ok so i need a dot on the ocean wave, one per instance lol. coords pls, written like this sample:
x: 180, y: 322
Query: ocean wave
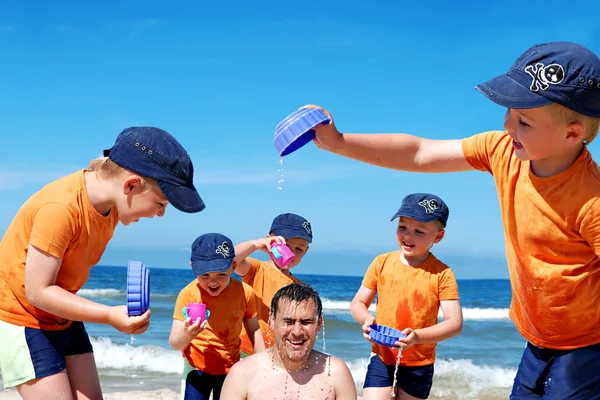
x: 457, y: 379
x: 473, y: 314
x: 101, y: 292
x: 131, y: 358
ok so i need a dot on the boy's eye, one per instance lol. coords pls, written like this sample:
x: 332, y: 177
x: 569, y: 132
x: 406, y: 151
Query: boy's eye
x: 419, y: 232
x: 523, y: 123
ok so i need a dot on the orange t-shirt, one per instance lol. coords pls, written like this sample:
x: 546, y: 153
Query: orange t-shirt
x: 59, y: 220
x: 265, y: 280
x: 552, y: 232
x: 409, y: 297
x: 217, y: 347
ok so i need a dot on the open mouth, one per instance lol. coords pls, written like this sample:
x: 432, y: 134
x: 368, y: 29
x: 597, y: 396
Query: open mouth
x: 407, y: 245
x: 296, y: 344
x: 517, y: 145
x: 213, y: 290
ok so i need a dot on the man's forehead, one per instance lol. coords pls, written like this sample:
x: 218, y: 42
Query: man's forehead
x: 295, y: 309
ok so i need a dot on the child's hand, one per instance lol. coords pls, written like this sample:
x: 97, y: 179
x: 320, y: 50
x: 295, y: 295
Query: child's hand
x: 264, y: 244
x: 121, y: 321
x: 327, y: 136
x: 366, y: 327
x: 409, y: 341
x: 193, y: 330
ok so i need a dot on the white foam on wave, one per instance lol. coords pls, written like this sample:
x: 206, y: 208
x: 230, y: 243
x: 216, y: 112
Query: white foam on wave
x: 100, y: 292
x: 474, y: 314
x: 133, y: 358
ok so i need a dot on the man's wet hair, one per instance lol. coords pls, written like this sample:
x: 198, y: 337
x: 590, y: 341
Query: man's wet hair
x: 297, y: 293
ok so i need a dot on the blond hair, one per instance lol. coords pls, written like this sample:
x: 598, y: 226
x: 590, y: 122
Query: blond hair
x: 564, y: 115
x: 106, y: 168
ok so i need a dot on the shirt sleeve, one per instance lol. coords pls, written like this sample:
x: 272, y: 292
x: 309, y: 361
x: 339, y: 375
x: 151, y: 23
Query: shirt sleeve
x: 53, y: 229
x: 448, y: 288
x: 254, y: 266
x: 250, y: 302
x: 485, y: 150
x: 590, y: 226
x: 372, y: 275
x: 182, y: 301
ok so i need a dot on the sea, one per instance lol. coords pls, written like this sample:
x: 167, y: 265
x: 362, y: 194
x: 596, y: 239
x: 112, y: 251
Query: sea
x: 480, y: 363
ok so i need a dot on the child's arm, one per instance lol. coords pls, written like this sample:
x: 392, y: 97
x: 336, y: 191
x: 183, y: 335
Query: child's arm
x: 449, y: 327
x: 41, y: 270
x: 397, y: 151
x: 244, y: 249
x: 254, y: 334
x: 182, y: 333
x: 359, y: 308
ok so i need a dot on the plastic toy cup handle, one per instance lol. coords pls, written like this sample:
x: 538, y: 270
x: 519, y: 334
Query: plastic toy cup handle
x: 196, y: 311
x: 281, y: 254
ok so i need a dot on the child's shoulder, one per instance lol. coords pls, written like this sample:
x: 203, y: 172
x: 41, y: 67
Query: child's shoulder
x: 436, y: 264
x: 390, y: 256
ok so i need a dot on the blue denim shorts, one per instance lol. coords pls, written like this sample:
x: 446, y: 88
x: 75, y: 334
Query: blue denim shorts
x: 415, y: 381
x: 558, y: 374
x: 28, y: 353
x: 199, y: 385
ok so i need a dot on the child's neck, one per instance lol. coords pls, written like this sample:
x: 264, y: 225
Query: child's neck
x: 98, y: 193
x: 557, y: 163
x: 413, y: 261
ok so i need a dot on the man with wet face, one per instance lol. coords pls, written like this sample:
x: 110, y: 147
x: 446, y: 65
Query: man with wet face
x: 291, y: 368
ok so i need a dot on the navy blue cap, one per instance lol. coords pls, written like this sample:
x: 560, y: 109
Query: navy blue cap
x: 212, y: 252
x: 291, y: 226
x: 154, y: 153
x: 559, y: 72
x: 423, y: 207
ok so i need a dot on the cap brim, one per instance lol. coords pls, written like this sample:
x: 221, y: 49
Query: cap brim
x: 202, y: 267
x: 183, y: 198
x: 507, y: 92
x: 412, y: 216
x: 292, y: 233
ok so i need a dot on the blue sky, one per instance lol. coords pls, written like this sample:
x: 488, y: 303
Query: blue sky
x: 220, y: 75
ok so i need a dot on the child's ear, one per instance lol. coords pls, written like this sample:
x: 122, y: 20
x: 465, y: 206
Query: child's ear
x: 575, y: 132
x: 132, y: 184
x: 439, y: 236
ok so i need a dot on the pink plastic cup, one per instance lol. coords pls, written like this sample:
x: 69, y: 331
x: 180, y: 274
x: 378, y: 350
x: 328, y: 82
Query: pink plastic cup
x: 281, y: 254
x: 196, y: 311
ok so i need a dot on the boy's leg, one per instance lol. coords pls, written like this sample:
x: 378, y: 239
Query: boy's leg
x: 83, y: 375
x: 81, y: 365
x: 55, y: 386
x: 378, y: 381
x: 574, y: 375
